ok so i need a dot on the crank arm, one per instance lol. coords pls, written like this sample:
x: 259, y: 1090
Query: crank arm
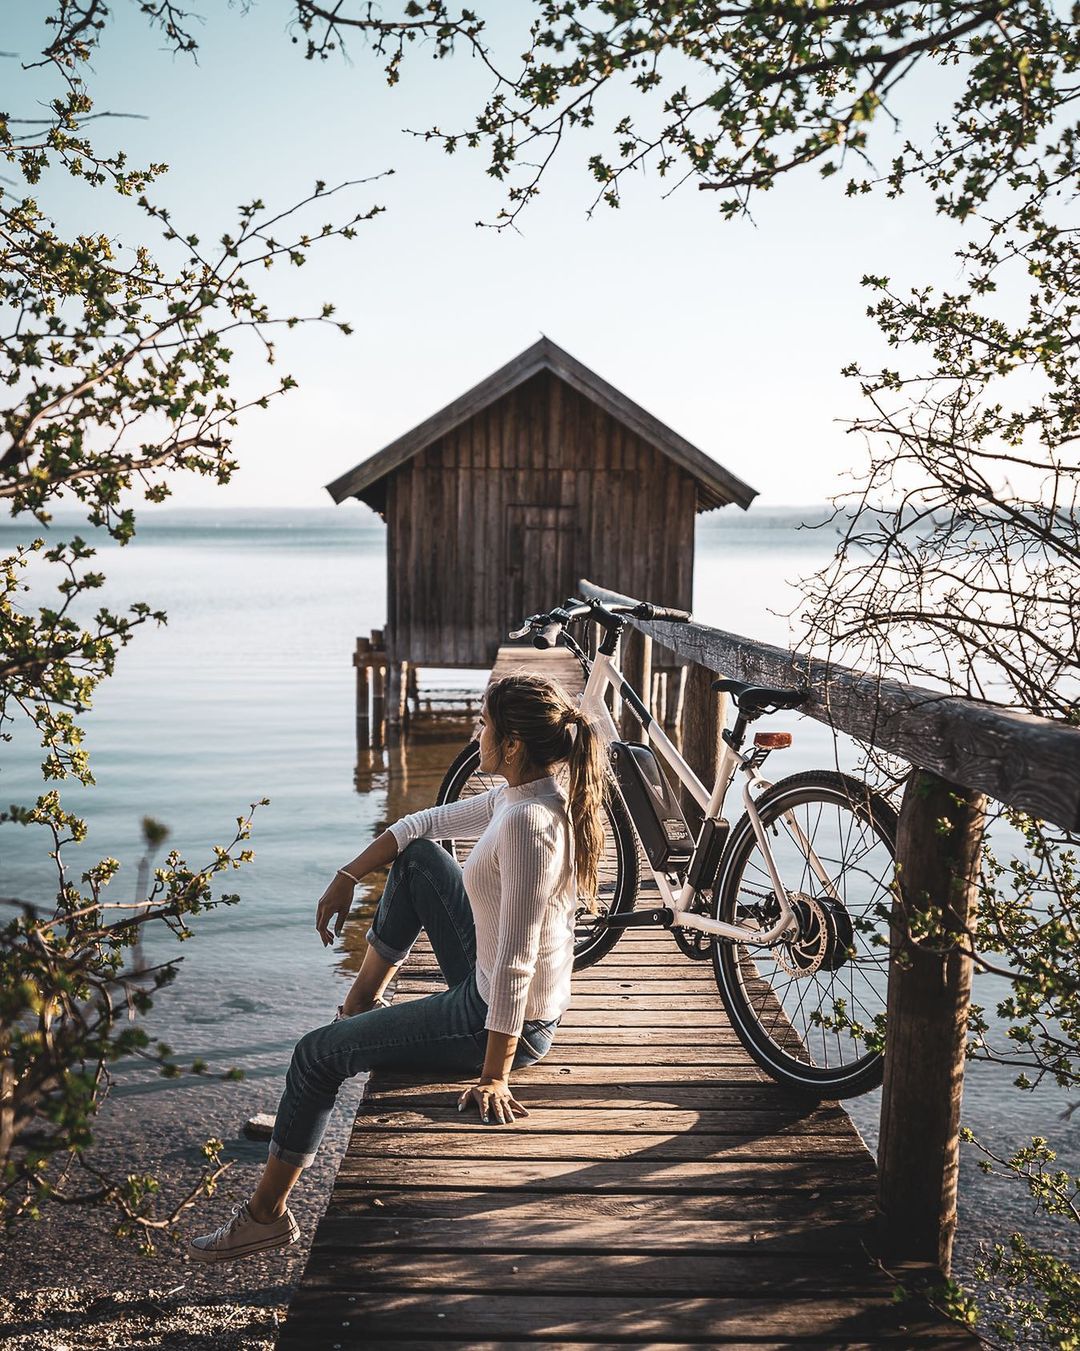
x: 661, y: 917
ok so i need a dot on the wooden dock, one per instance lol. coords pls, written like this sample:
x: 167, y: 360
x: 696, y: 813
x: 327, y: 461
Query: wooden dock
x: 663, y: 1192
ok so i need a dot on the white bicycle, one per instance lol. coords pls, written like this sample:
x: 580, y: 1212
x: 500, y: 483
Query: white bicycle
x: 792, y: 906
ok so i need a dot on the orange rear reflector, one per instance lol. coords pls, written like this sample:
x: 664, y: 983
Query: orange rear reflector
x: 772, y: 741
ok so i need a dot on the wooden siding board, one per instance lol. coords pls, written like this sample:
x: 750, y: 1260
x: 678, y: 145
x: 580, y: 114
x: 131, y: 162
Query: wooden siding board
x: 471, y: 577
x: 395, y: 543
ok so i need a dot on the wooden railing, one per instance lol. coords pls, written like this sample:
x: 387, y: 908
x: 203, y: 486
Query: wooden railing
x: 961, y: 752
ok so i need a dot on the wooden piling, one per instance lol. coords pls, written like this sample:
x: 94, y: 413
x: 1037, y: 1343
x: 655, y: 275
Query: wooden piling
x: 938, y: 849
x: 378, y: 688
x: 637, y: 668
x: 658, y: 703
x: 700, y: 736
x: 677, y: 714
x: 362, y: 662
x: 394, y: 691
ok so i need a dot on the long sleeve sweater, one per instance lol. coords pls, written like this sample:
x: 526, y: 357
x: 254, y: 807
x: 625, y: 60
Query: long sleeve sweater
x: 520, y: 882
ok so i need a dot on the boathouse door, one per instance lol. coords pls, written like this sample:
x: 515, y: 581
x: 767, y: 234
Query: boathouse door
x: 540, y: 558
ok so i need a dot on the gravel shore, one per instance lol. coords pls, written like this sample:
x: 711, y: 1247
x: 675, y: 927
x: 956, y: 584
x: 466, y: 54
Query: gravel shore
x: 66, y: 1283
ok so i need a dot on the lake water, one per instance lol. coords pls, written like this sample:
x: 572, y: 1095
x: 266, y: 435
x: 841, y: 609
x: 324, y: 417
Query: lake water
x: 249, y: 692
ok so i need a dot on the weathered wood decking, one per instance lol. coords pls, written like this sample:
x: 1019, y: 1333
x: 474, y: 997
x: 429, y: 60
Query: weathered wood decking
x: 663, y: 1192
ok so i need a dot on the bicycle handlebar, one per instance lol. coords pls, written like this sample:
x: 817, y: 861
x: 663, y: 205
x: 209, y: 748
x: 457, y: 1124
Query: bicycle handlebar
x: 646, y: 610
x: 545, y: 628
x: 548, y: 636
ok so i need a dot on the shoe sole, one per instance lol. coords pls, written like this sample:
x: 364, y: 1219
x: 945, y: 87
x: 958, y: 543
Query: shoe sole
x: 248, y: 1250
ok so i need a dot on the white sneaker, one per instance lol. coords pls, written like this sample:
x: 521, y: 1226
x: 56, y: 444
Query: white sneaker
x: 242, y: 1235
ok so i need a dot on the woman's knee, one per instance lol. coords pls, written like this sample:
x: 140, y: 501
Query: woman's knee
x: 311, y: 1048
x: 421, y: 851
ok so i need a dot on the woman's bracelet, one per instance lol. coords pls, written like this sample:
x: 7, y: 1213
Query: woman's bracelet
x: 354, y: 880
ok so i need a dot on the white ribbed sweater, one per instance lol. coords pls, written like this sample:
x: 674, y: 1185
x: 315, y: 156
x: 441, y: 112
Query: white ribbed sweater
x: 520, y: 883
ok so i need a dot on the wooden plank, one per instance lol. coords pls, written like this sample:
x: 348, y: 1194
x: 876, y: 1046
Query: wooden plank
x: 568, y: 1093
x: 550, y: 1074
x: 443, y: 1344
x: 626, y: 1175
x: 611, y: 1121
x: 546, y: 1317
x: 1023, y: 761
x: 587, y: 985
x: 747, y: 1238
x: 658, y: 1208
x: 632, y: 1274
x: 518, y: 1143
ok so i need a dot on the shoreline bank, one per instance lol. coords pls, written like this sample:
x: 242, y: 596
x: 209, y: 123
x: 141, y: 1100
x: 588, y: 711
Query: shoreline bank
x: 122, y: 1298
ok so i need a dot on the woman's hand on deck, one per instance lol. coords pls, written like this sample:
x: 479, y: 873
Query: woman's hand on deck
x: 495, y: 1101
x: 337, y: 901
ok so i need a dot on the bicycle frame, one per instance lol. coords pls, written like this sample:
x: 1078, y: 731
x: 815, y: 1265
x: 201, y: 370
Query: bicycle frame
x: 603, y: 673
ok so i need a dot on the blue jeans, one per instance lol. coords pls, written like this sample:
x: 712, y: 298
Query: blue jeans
x: 443, y: 1031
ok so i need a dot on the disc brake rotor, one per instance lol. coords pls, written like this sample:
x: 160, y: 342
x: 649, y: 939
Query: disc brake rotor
x: 803, y: 954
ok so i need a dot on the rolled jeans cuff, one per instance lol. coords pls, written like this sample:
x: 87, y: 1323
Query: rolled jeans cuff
x: 290, y: 1156
x: 385, y: 951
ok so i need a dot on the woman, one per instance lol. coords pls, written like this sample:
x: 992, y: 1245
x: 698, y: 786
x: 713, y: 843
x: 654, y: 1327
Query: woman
x: 502, y: 929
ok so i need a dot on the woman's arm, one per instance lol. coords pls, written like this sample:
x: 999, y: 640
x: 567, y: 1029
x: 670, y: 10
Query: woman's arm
x: 336, y: 900
x: 492, y: 1093
x: 468, y: 816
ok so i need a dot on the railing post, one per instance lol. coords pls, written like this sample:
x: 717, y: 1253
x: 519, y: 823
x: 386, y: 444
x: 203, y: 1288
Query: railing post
x: 937, y: 858
x: 700, y: 735
x: 637, y: 668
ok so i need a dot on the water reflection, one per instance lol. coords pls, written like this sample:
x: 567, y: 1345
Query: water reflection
x: 408, y: 772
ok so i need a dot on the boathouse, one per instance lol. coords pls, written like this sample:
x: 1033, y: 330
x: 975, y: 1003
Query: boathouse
x: 498, y: 503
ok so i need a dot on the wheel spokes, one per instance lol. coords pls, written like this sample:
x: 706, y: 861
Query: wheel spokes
x: 830, y: 1017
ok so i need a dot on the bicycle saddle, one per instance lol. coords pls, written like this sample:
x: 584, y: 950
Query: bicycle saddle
x: 757, y: 698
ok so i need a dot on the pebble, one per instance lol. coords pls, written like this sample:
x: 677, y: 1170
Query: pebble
x: 259, y: 1127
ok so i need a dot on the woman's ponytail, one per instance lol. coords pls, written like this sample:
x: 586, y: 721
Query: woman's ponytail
x: 586, y: 797
x: 553, y: 729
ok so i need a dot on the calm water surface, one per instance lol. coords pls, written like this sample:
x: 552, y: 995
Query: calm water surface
x: 249, y: 692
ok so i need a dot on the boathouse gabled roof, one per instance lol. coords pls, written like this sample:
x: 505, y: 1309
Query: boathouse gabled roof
x: 716, y: 485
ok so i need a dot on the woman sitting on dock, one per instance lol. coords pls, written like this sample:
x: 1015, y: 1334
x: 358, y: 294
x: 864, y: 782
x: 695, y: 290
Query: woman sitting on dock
x: 502, y: 929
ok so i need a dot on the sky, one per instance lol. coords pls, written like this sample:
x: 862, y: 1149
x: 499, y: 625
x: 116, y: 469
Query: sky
x: 733, y: 333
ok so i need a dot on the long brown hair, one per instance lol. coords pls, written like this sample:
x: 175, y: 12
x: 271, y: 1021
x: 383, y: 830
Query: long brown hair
x: 548, y: 722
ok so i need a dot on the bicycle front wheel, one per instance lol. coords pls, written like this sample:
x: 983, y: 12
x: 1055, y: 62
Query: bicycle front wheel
x: 618, y: 868
x: 811, y: 1009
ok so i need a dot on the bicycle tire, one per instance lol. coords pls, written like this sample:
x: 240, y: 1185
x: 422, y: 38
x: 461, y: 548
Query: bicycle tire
x: 771, y: 1020
x: 618, y: 868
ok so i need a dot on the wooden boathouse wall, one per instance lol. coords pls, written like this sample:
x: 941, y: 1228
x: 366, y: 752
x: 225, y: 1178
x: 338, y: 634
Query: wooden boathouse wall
x: 500, y: 517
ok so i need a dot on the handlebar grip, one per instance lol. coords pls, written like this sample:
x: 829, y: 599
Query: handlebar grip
x: 646, y: 610
x: 548, y: 636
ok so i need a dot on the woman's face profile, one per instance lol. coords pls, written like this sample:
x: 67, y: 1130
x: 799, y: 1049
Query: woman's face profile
x: 489, y: 752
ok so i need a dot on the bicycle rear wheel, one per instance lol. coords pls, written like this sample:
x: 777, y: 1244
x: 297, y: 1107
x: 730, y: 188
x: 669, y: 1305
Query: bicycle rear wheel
x: 618, y: 869
x: 811, y: 1011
